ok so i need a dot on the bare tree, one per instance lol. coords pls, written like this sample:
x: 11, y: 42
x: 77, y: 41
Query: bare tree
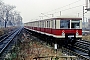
x: 15, y: 18
x: 7, y: 11
x: 8, y: 15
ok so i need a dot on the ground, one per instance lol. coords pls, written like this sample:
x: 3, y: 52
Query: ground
x: 6, y: 30
x: 30, y: 49
x: 87, y: 37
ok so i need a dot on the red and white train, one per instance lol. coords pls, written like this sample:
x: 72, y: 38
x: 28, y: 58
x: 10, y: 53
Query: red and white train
x: 59, y: 28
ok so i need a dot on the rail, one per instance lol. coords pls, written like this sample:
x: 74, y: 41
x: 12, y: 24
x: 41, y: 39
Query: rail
x: 5, y: 41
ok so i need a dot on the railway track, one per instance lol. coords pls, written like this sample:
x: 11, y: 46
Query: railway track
x: 6, y: 40
x: 75, y: 52
x: 81, y: 49
x: 83, y: 46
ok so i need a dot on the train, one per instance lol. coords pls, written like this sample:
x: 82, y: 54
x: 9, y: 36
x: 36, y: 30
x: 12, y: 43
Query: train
x: 58, y: 30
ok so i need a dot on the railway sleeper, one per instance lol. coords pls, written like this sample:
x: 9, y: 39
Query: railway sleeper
x: 76, y: 54
x: 82, y: 46
x: 77, y: 43
x: 80, y: 49
x: 83, y: 42
x: 83, y: 50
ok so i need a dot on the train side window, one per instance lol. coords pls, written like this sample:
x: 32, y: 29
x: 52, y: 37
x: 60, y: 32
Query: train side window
x: 39, y: 23
x: 55, y: 24
x: 42, y: 24
x: 47, y: 24
x: 52, y: 23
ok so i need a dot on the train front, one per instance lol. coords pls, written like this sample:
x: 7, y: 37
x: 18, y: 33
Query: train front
x: 71, y: 29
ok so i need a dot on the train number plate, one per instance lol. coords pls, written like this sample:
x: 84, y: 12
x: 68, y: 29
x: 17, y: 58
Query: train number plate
x: 71, y: 36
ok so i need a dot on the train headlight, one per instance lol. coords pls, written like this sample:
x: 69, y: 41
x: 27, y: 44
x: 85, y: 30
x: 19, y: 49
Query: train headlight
x: 77, y: 33
x: 63, y: 34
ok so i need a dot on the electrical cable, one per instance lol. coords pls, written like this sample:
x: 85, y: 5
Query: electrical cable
x: 69, y: 8
x: 63, y: 6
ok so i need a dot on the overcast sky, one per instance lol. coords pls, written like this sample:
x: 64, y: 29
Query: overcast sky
x: 30, y: 10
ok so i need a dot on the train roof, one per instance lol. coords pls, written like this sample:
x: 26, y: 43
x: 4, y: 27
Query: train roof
x: 66, y: 18
x: 60, y: 18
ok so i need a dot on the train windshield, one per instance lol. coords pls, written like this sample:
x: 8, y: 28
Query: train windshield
x: 65, y: 24
x: 75, y: 24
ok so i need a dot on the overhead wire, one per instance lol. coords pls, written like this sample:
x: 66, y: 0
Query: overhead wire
x: 46, y: 13
x: 69, y: 8
x: 64, y: 10
x: 63, y: 6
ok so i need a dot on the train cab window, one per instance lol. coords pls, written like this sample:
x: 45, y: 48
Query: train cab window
x: 64, y: 23
x: 75, y: 24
